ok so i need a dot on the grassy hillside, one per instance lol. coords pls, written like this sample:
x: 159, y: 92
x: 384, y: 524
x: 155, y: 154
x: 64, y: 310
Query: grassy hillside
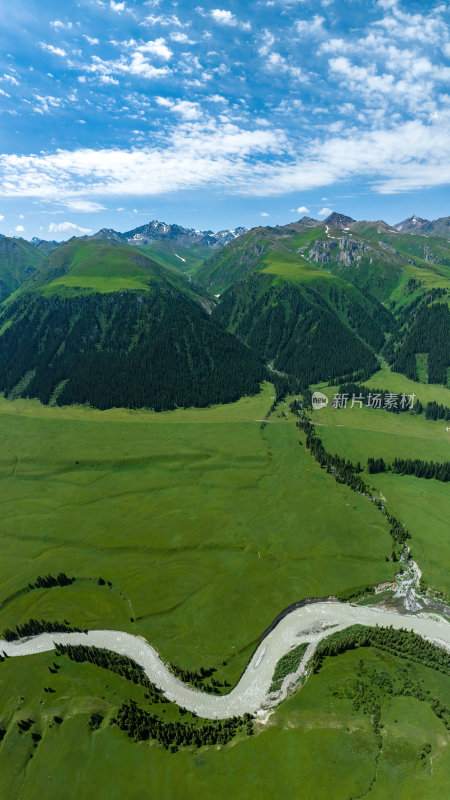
x: 247, y: 254
x: 360, y: 272
x: 369, y: 255
x: 302, y: 320
x: 156, y: 349
x: 423, y: 505
x: 320, y: 743
x: 190, y: 515
x: 18, y: 260
x: 305, y: 328
x: 101, y: 324
x: 394, y: 267
x: 172, y: 255
x: 426, y: 393
x: 81, y: 266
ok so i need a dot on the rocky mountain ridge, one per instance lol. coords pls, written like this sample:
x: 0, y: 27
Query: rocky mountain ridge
x: 425, y: 227
x: 156, y: 231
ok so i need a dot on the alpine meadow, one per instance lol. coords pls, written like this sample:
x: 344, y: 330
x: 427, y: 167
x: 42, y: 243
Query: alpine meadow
x: 224, y: 400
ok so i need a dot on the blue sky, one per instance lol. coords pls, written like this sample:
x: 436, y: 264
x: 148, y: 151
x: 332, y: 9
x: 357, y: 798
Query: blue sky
x: 117, y: 112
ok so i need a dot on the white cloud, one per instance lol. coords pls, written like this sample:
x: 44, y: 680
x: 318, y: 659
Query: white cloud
x: 137, y: 64
x: 118, y: 7
x: 67, y: 227
x: 46, y: 104
x: 108, y: 79
x: 164, y: 21
x: 261, y: 162
x: 58, y: 25
x: 274, y: 61
x: 91, y: 39
x: 180, y: 38
x: 409, y: 83
x: 405, y: 156
x: 278, y: 63
x: 187, y: 109
x: 310, y: 27
x: 224, y: 17
x: 156, y: 48
x: 20, y: 228
x: 268, y: 41
x: 192, y: 156
x: 395, y: 66
x: 57, y: 51
x: 11, y: 79
x: 303, y: 210
x: 264, y: 214
x: 84, y: 206
x: 165, y: 102
x: 5, y: 94
x: 1, y: 217
x: 324, y: 212
x: 426, y: 28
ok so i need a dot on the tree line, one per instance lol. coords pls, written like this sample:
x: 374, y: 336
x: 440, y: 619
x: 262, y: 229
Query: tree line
x: 36, y: 626
x: 427, y: 331
x: 386, y: 400
x: 142, y: 725
x: 299, y: 331
x: 399, y: 642
x: 344, y: 471
x: 287, y: 665
x: 158, y: 349
x: 121, y: 665
x: 197, y: 679
x: 412, y: 466
x: 369, y: 688
x: 435, y: 410
x: 49, y: 581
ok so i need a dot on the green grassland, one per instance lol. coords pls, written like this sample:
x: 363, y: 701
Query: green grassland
x: 81, y: 266
x: 248, y: 253
x: 387, y: 264
x: 18, y: 259
x: 316, y: 745
x: 422, y: 505
x: 395, y: 267
x: 176, y: 256
x: 206, y: 531
x: 385, y: 378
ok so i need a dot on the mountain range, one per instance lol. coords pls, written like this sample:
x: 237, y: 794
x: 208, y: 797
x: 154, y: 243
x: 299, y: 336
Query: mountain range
x: 163, y: 316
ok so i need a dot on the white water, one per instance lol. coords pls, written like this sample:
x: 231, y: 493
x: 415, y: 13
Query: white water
x: 307, y: 624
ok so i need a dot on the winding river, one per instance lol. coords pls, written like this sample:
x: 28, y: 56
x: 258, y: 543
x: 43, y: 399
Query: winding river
x: 311, y: 623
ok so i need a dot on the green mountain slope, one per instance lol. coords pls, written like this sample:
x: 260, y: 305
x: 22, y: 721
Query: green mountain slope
x: 83, y: 266
x: 421, y: 348
x: 303, y: 320
x: 293, y: 328
x: 104, y: 325
x: 412, y: 257
x: 244, y: 255
x: 371, y: 255
x: 186, y: 259
x: 18, y: 260
x: 369, y: 276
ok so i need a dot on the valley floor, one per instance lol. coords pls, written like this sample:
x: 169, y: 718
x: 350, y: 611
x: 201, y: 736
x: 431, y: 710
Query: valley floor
x: 201, y: 525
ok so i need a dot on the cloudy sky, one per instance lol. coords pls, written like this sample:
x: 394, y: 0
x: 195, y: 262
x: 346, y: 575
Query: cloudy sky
x: 242, y: 113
